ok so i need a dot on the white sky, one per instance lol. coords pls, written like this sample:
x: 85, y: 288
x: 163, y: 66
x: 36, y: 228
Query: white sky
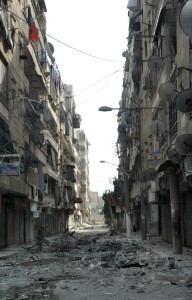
x: 99, y: 28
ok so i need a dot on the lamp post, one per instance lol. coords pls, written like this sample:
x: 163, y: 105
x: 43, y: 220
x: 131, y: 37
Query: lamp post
x: 127, y: 200
x: 106, y: 162
x: 108, y: 108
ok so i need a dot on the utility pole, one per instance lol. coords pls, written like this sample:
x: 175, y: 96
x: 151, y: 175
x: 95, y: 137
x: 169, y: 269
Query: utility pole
x: 175, y: 211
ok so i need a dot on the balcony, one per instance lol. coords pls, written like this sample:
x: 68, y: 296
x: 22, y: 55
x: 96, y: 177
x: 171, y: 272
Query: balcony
x: 76, y: 121
x: 48, y: 137
x: 53, y: 94
x: 48, y: 171
x: 13, y: 185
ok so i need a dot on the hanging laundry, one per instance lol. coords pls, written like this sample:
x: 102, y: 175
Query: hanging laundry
x: 29, y: 16
x: 33, y: 32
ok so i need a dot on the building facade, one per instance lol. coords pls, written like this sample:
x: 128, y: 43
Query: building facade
x: 38, y: 121
x: 154, y: 141
x: 83, y: 151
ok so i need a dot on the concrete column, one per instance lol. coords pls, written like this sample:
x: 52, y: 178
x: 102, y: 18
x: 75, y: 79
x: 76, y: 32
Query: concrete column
x: 127, y: 205
x: 16, y: 221
x: 175, y: 212
x: 143, y: 218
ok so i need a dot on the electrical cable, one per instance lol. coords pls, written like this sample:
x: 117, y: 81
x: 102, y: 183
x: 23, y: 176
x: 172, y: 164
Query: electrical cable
x: 80, y: 51
x: 61, y: 42
x: 91, y: 97
x: 111, y: 74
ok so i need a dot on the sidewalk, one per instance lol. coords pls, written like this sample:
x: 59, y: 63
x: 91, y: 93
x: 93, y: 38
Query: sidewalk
x: 165, y: 250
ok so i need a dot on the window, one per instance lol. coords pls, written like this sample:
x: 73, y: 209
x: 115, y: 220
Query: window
x: 6, y: 145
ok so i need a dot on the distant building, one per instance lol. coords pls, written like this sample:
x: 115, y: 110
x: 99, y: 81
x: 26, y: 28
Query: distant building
x: 82, y: 146
x: 96, y: 204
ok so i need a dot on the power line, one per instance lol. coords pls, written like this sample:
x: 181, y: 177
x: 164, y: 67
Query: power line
x: 97, y: 57
x: 93, y: 96
x: 61, y: 42
x: 111, y: 74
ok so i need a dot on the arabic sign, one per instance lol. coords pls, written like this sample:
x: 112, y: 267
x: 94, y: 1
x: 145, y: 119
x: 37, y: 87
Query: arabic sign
x: 155, y: 163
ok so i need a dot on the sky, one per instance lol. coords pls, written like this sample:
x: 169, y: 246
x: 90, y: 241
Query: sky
x: 98, y: 28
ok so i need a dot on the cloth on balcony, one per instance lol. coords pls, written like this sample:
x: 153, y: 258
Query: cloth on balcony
x: 33, y: 32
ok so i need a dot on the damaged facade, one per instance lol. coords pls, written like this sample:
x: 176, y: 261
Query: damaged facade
x: 38, y: 123
x: 154, y: 131
x: 83, y: 151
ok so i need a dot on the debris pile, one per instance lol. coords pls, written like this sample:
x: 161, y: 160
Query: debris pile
x: 86, y: 262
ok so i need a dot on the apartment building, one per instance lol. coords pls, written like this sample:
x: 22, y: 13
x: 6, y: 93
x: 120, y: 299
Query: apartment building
x: 83, y: 151
x: 154, y: 142
x: 38, y: 120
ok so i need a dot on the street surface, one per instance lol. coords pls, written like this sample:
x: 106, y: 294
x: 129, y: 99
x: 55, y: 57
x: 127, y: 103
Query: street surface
x: 96, y: 265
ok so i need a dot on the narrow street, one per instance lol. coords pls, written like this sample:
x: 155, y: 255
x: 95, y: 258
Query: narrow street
x: 96, y: 264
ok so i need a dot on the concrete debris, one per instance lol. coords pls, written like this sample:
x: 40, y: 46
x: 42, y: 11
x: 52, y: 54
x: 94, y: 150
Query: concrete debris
x: 110, y: 246
x: 98, y: 265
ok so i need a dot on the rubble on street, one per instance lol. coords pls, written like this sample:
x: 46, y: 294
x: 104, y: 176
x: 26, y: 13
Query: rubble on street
x: 96, y: 265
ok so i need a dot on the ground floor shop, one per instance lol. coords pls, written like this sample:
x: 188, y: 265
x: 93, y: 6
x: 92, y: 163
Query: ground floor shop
x: 19, y: 225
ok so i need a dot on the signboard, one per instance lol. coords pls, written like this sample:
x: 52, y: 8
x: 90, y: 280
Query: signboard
x: 10, y: 165
x: 154, y: 163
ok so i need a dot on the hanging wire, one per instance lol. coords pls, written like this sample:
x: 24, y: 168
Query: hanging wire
x: 61, y: 42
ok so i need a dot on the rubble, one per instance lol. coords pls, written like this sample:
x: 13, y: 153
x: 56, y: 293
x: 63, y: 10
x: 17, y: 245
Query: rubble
x: 116, y: 264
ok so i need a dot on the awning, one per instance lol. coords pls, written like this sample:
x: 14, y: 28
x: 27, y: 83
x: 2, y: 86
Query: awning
x: 155, y: 163
x: 161, y: 165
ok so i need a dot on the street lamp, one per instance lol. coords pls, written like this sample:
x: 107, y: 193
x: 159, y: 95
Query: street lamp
x: 108, y: 108
x: 106, y: 162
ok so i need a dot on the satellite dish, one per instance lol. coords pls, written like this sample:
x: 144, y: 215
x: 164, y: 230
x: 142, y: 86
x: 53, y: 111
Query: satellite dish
x: 150, y: 174
x: 125, y: 54
x: 184, y: 101
x: 185, y: 18
x: 167, y: 91
x: 172, y: 154
x: 183, y: 144
x: 157, y: 127
x: 155, y: 62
